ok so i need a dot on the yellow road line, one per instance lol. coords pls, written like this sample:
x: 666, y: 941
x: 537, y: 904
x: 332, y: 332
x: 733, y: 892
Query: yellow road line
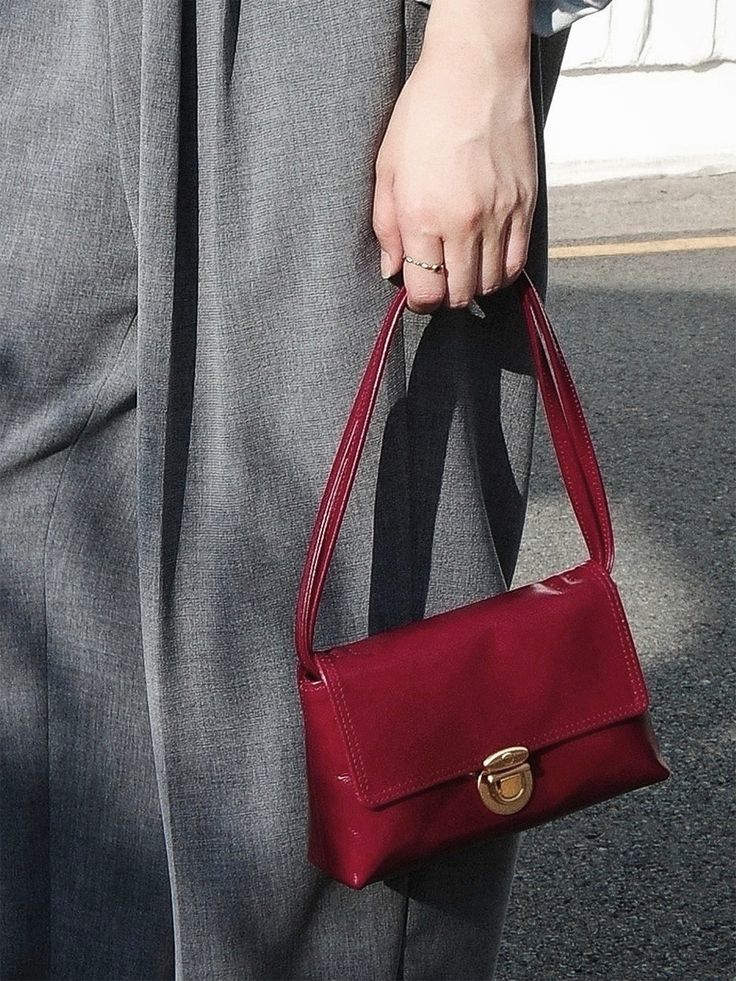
x: 641, y: 248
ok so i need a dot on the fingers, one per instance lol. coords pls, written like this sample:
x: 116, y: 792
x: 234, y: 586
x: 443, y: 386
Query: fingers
x: 517, y: 247
x: 504, y: 253
x: 462, y: 258
x: 386, y: 226
x: 478, y: 260
x: 493, y: 260
x: 425, y: 288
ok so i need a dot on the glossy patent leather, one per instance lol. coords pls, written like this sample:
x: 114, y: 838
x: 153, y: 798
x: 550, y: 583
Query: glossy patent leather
x: 397, y: 725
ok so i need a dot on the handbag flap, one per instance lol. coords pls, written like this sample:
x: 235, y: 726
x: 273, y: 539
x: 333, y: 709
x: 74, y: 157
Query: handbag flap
x: 427, y: 702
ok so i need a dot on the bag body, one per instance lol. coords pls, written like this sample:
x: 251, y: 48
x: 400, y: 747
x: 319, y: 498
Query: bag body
x: 483, y: 720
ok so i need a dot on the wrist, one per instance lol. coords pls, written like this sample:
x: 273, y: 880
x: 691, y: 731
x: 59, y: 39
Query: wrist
x: 492, y: 35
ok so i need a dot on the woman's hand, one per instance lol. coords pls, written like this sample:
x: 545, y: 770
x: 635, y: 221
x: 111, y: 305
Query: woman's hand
x: 456, y: 174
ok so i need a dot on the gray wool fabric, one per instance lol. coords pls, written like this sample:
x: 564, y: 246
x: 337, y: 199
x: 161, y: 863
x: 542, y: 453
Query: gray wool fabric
x: 189, y: 287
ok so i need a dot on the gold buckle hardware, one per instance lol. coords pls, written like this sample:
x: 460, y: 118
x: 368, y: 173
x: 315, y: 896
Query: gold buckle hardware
x: 505, y: 782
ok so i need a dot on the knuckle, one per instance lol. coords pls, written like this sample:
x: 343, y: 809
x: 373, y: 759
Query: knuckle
x: 468, y: 219
x: 526, y: 201
x: 518, y: 200
x: 523, y: 193
x: 416, y: 216
x: 502, y: 198
x: 504, y: 206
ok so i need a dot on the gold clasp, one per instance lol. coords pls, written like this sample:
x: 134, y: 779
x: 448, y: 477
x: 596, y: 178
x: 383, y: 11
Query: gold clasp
x: 505, y: 782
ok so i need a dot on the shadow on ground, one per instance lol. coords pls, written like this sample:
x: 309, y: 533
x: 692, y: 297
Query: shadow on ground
x: 642, y: 887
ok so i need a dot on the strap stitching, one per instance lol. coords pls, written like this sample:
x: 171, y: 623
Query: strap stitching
x: 639, y: 701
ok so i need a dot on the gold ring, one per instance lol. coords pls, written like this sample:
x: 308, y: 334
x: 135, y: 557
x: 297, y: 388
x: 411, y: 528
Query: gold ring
x: 434, y: 266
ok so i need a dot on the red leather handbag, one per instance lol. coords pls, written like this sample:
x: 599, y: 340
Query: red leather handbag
x: 486, y: 719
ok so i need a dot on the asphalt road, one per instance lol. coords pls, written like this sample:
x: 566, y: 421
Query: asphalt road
x: 641, y: 888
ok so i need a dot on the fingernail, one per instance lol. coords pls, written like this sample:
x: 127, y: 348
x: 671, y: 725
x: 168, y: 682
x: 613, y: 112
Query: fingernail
x: 475, y: 308
x: 385, y: 264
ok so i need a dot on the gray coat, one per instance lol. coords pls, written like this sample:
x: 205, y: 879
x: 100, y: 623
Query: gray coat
x: 189, y: 286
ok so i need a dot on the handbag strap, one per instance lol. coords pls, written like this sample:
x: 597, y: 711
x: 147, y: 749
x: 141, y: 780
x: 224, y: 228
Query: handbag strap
x: 568, y: 429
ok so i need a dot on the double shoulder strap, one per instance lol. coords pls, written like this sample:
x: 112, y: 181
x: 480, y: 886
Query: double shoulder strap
x: 568, y: 428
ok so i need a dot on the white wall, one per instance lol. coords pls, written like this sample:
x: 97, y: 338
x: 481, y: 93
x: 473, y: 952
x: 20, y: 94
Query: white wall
x: 647, y: 87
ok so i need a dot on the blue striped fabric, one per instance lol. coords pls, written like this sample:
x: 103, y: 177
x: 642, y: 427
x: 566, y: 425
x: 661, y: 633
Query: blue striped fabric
x: 551, y: 16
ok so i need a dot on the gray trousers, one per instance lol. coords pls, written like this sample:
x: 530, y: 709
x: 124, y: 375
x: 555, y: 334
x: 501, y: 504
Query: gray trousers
x: 189, y: 287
